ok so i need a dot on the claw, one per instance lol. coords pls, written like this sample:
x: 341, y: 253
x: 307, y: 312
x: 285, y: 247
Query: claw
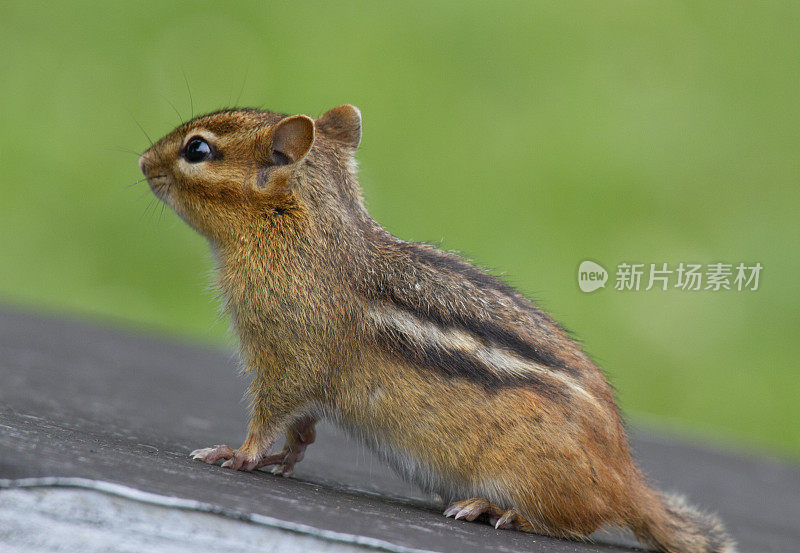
x: 283, y: 468
x: 471, y: 509
x: 197, y: 453
x: 510, y: 519
x: 211, y: 455
x: 451, y: 510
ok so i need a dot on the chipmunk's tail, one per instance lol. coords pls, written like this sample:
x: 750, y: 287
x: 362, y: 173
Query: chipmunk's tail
x: 671, y: 525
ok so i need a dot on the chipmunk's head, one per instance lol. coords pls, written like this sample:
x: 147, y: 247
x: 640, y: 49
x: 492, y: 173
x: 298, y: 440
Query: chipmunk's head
x: 227, y: 171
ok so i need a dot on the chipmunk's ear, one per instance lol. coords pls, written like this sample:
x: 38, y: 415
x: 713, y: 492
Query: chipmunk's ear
x: 342, y: 124
x: 291, y: 139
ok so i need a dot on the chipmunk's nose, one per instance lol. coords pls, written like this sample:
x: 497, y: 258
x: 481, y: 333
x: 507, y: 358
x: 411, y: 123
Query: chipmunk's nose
x: 143, y: 164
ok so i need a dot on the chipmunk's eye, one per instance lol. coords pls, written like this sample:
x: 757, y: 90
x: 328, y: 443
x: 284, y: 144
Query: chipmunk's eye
x: 197, y: 150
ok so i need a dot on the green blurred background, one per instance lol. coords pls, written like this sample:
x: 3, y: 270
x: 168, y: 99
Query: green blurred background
x: 529, y: 136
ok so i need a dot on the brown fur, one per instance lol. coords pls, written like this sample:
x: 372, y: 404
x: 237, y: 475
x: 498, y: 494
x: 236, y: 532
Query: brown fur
x: 459, y: 381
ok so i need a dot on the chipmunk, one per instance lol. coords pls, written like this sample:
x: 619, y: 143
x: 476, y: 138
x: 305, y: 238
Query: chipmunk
x: 462, y: 384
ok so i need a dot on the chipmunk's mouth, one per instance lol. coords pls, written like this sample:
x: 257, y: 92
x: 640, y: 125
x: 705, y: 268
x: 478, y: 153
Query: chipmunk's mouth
x: 159, y: 183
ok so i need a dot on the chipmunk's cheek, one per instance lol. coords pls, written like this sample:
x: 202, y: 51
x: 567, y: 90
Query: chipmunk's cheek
x: 178, y: 205
x: 191, y: 169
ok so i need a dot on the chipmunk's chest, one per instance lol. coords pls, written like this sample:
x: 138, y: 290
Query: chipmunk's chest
x: 276, y: 323
x: 260, y: 313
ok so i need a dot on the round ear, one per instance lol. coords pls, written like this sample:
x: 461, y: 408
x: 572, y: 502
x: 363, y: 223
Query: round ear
x: 292, y: 138
x: 342, y: 124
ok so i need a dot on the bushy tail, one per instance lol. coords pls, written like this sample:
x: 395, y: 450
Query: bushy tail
x: 671, y: 525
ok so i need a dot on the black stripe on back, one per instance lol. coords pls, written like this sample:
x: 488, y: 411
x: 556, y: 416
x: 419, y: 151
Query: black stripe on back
x: 459, y: 364
x: 490, y: 334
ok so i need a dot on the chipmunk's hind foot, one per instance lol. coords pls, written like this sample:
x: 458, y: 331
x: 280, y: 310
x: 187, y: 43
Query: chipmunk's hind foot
x: 470, y: 509
x: 512, y: 520
x: 483, y: 509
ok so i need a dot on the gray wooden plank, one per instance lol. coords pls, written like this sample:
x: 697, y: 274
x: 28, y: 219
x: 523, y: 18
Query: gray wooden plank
x: 80, y: 400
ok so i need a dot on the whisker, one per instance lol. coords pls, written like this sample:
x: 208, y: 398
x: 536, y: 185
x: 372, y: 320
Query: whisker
x: 144, y: 179
x: 134, y: 183
x: 244, y: 82
x: 188, y: 88
x: 124, y: 150
x: 150, y: 140
x: 147, y: 208
x: 174, y: 109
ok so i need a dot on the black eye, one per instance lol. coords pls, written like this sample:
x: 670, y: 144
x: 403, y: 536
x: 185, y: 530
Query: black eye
x: 197, y: 150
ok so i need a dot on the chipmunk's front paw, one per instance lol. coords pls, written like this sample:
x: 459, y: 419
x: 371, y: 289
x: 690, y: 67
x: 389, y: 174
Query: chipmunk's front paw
x: 299, y: 436
x: 211, y: 455
x: 285, y: 460
x: 235, y: 459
